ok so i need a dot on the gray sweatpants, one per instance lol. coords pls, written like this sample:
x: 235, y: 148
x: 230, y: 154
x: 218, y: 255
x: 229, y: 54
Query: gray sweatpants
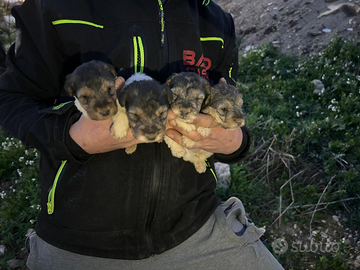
x: 228, y: 240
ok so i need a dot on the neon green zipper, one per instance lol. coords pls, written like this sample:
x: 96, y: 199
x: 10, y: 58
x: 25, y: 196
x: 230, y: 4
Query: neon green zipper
x: 55, y: 108
x: 162, y: 23
x: 206, y: 2
x: 211, y: 169
x: 51, y: 195
x: 77, y: 22
x: 230, y: 71
x: 213, y: 39
x: 139, y: 55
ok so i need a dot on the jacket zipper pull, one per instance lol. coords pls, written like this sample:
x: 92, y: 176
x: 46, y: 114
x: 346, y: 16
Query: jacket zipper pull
x: 162, y: 23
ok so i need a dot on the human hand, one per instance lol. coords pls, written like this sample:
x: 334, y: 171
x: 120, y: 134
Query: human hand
x: 94, y: 136
x: 220, y: 140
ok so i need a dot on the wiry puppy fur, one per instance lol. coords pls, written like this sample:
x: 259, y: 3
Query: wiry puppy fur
x: 225, y: 106
x: 189, y: 92
x: 93, y: 86
x: 147, y: 103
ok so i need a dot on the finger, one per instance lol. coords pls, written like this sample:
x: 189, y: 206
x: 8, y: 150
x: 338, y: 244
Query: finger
x: 174, y: 135
x: 171, y: 115
x: 119, y: 83
x: 204, y: 120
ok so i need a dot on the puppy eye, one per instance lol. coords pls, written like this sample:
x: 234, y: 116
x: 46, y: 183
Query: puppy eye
x: 134, y: 117
x: 110, y: 91
x: 84, y: 99
x: 163, y: 115
x: 223, y: 110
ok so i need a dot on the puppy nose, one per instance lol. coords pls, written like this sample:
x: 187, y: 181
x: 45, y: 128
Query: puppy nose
x: 184, y: 113
x: 105, y: 113
x: 151, y: 137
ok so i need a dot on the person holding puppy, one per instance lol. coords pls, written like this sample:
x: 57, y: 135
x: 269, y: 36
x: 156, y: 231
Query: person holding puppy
x: 100, y: 207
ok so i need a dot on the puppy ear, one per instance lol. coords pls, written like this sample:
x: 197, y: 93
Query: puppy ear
x: 110, y: 68
x: 70, y: 85
x: 169, y: 80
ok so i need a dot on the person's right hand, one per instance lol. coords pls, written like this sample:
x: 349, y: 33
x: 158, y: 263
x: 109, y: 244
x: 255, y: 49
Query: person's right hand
x: 94, y: 136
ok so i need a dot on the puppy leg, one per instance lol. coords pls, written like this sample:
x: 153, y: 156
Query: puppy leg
x: 187, y: 142
x: 120, y: 124
x: 185, y: 126
x: 203, y: 131
x: 131, y: 149
x: 176, y: 149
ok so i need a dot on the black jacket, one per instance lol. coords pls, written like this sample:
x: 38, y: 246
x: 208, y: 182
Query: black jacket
x: 113, y: 205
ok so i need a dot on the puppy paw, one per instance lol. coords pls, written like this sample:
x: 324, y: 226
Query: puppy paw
x: 185, y: 126
x: 200, y: 166
x: 203, y: 131
x: 187, y: 142
x: 176, y: 149
x: 120, y: 125
x: 131, y: 149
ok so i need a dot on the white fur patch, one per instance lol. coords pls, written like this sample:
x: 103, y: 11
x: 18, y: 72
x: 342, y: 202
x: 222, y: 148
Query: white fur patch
x: 138, y: 77
x: 80, y: 108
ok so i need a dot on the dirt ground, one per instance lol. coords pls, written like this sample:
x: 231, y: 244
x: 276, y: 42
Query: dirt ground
x: 293, y: 25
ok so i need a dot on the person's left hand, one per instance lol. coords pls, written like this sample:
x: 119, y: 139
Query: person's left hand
x: 220, y: 140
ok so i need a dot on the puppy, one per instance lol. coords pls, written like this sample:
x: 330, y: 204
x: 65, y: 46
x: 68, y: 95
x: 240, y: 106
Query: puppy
x: 93, y: 86
x: 225, y: 106
x: 189, y: 92
x: 146, y: 102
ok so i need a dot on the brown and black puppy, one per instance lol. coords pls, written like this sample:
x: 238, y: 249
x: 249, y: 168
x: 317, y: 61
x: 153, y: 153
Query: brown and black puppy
x: 93, y: 86
x: 189, y: 92
x: 225, y: 106
x: 146, y: 102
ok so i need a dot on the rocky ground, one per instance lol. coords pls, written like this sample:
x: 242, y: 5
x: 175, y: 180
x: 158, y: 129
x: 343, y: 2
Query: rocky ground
x: 296, y: 26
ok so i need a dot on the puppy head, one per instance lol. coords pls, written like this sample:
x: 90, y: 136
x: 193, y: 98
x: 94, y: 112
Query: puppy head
x: 225, y: 105
x: 93, y: 86
x: 147, y: 104
x: 189, y: 91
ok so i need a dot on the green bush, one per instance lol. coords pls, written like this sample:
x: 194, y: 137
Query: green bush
x: 19, y: 195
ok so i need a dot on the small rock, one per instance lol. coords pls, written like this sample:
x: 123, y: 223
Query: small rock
x: 319, y: 88
x: 223, y: 173
x: 324, y: 235
x: 292, y: 23
x: 336, y: 219
x: 2, y: 250
x: 326, y: 30
x: 270, y: 29
x: 314, y: 34
x: 13, y: 264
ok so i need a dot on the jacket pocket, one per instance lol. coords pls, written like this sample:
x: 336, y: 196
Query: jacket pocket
x: 51, y: 195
